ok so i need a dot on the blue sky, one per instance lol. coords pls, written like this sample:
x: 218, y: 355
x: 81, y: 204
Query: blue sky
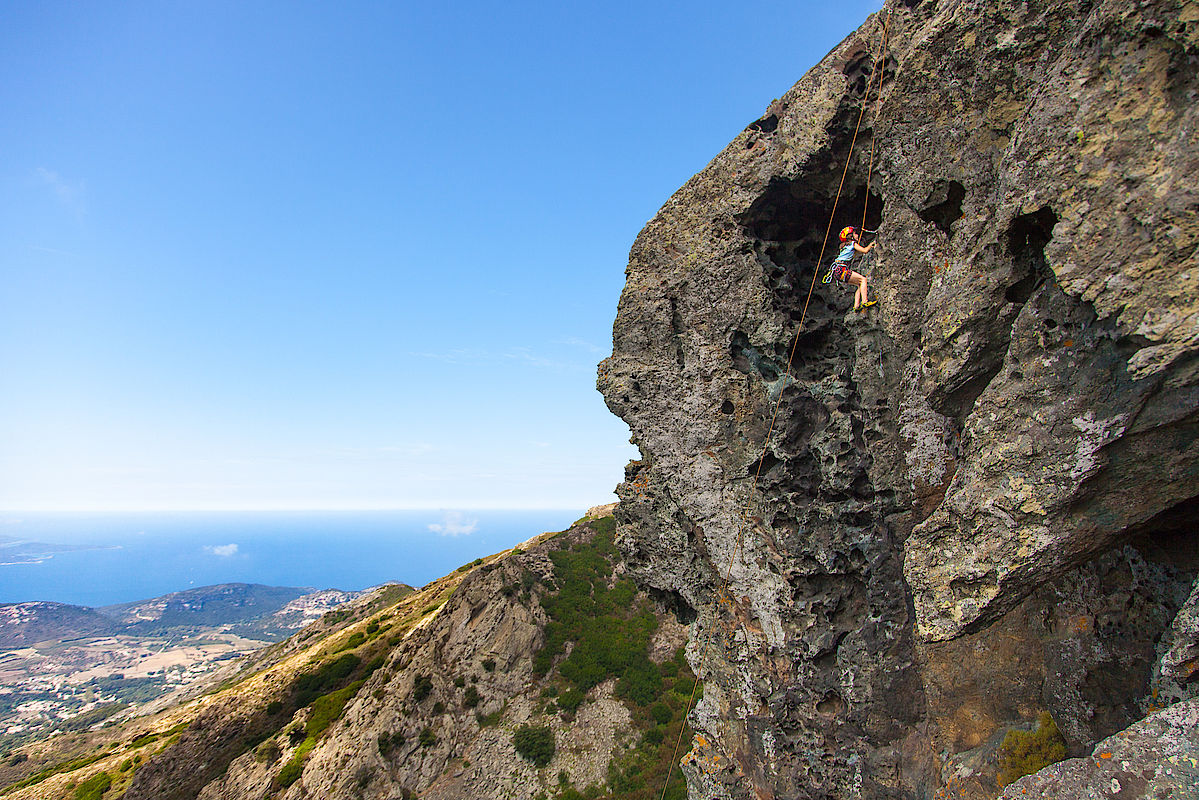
x: 344, y: 255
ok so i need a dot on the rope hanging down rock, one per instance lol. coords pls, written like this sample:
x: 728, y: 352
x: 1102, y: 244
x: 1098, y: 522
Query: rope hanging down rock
x: 722, y: 594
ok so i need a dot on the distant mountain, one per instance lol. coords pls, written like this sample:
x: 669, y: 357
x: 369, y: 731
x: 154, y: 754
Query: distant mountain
x: 205, y: 607
x: 70, y: 667
x: 22, y: 551
x: 25, y: 624
x: 266, y: 613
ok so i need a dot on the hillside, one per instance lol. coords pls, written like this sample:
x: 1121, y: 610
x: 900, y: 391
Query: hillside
x: 24, y: 624
x: 68, y: 667
x: 249, y: 609
x: 538, y: 671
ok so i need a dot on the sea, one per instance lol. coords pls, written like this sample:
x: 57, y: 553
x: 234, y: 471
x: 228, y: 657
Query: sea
x: 98, y: 559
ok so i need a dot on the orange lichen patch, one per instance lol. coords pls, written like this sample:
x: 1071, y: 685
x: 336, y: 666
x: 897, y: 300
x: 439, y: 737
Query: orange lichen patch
x: 701, y: 741
x: 1105, y: 755
x: 1068, y: 343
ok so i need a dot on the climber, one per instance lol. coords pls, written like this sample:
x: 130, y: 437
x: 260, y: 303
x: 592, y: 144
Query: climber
x: 840, y: 268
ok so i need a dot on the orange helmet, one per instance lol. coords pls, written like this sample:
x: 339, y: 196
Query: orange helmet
x: 846, y: 232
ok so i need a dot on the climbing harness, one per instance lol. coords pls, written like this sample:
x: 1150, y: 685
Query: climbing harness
x: 838, y: 270
x: 722, y: 589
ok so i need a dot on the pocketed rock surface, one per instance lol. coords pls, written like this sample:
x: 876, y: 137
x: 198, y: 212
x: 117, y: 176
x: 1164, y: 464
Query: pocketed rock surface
x: 977, y: 499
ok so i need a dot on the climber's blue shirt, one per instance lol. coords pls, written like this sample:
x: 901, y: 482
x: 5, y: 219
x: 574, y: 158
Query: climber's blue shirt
x: 846, y: 254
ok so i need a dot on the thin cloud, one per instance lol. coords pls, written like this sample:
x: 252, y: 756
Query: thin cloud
x: 527, y: 356
x: 455, y: 523
x: 585, y: 345
x: 51, y: 251
x: 456, y: 356
x: 70, y: 193
x: 518, y: 354
x: 222, y: 550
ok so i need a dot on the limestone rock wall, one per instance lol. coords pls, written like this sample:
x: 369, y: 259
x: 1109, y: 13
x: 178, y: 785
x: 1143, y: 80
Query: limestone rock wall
x: 978, y: 498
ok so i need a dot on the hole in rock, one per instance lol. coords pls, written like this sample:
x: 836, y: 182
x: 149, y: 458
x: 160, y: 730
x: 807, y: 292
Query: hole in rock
x: 676, y: 604
x: 1169, y: 537
x: 748, y: 360
x: 944, y: 205
x: 1182, y: 77
x: 830, y: 705
x: 791, y: 217
x: 861, y: 75
x: 767, y: 124
x: 726, y: 407
x: 1027, y: 236
x: 762, y: 465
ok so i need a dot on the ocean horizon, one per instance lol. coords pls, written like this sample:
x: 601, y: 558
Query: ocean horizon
x: 102, y: 558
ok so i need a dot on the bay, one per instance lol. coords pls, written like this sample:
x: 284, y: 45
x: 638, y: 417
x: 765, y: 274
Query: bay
x: 137, y: 556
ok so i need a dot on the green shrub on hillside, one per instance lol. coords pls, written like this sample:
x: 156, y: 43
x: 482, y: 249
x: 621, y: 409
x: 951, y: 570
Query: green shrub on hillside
x: 1025, y: 752
x: 65, y: 766
x: 388, y: 742
x: 535, y: 743
x: 610, y: 632
x: 571, y: 699
x: 421, y: 687
x: 487, y: 720
x: 326, y: 677
x: 94, y: 787
x: 326, y: 709
x: 268, y: 752
x: 290, y: 772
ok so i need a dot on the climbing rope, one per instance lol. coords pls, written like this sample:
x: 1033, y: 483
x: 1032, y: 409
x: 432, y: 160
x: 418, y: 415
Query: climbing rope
x: 881, y: 67
x: 722, y: 594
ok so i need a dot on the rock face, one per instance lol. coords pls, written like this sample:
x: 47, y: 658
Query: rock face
x: 978, y: 499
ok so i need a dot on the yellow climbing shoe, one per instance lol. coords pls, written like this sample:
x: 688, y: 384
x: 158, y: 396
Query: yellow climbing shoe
x: 867, y: 304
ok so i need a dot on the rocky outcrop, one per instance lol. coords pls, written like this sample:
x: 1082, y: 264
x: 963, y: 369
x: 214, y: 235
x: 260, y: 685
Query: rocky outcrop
x: 1157, y: 757
x: 976, y: 500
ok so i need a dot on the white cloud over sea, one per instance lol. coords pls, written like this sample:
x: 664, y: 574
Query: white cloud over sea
x: 223, y: 550
x: 455, y: 523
